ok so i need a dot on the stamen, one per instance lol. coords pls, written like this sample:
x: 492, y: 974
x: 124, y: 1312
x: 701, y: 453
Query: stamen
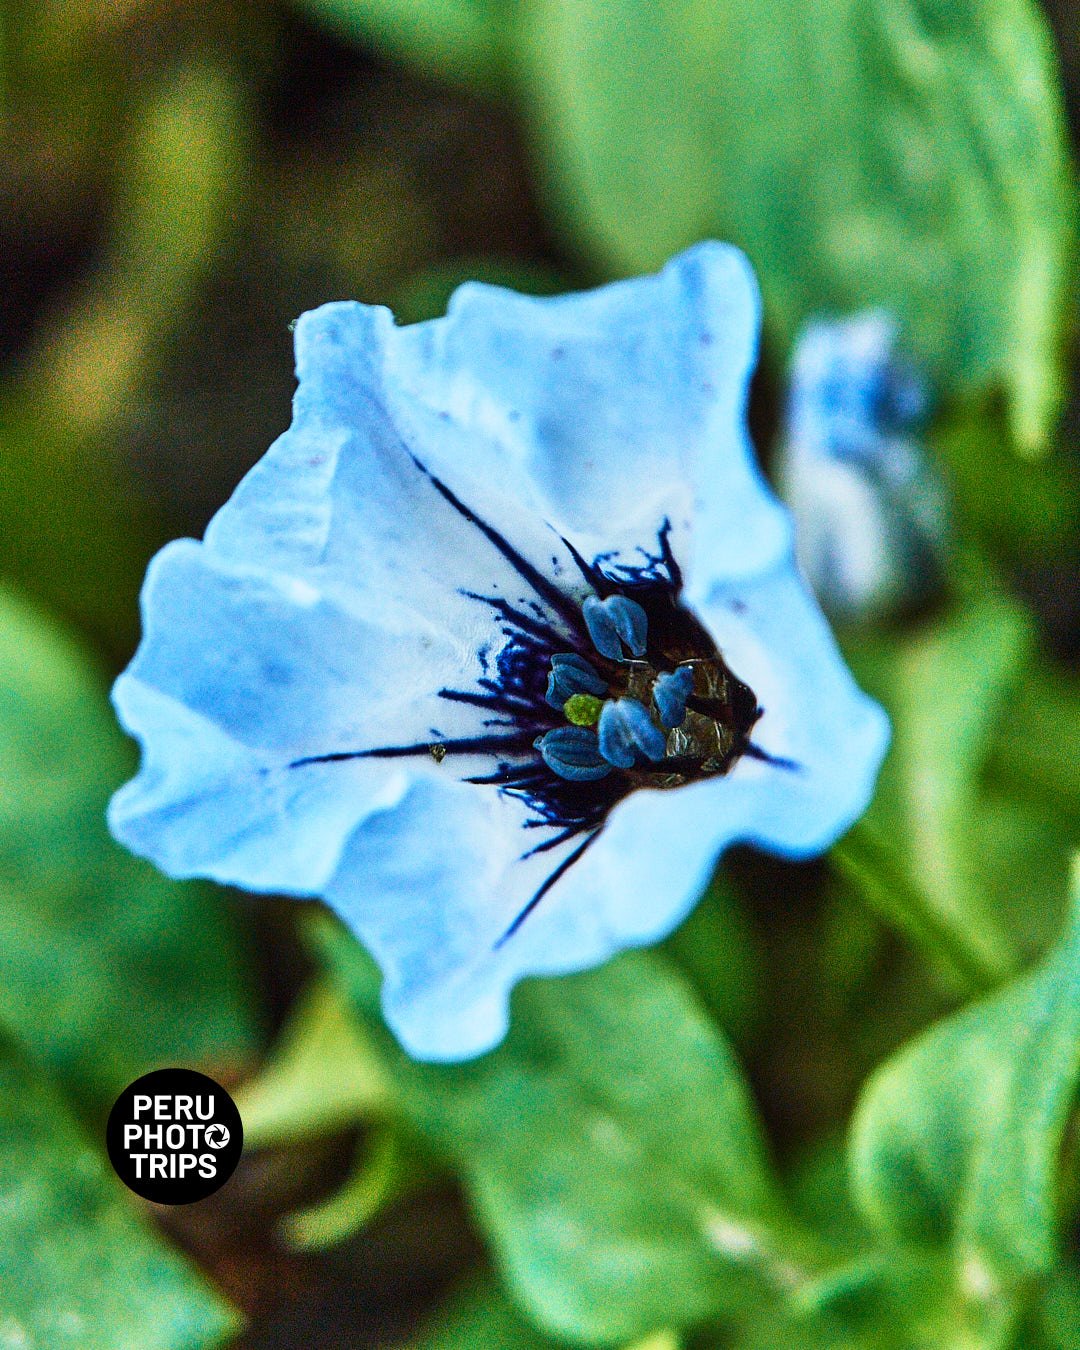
x: 670, y: 692
x: 613, y: 622
x: 571, y: 674
x: 626, y: 731
x: 573, y: 753
x: 657, y: 707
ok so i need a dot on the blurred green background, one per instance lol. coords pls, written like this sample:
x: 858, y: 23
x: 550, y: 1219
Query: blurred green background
x: 685, y: 1150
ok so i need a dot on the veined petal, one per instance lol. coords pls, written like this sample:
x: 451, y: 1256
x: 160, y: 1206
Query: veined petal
x: 596, y: 416
x: 449, y: 967
x: 434, y: 917
x: 525, y: 391
x: 349, y: 501
x: 204, y: 804
x: 244, y: 674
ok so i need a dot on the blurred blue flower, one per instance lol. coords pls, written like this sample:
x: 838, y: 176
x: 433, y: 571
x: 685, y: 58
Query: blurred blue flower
x: 499, y: 645
x: 871, y: 514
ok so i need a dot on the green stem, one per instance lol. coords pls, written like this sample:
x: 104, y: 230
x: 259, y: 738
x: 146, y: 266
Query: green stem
x: 884, y: 884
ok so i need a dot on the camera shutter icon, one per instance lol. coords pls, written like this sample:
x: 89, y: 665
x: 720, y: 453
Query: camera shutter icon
x: 217, y: 1136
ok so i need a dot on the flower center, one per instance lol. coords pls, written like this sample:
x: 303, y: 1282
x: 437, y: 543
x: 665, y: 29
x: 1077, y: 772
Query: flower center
x: 655, y: 701
x: 584, y: 702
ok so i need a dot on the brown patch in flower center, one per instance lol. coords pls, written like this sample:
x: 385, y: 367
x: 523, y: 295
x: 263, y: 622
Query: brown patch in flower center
x: 721, y: 712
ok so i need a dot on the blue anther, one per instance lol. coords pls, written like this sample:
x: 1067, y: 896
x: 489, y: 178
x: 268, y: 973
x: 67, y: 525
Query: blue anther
x: 626, y: 731
x: 573, y: 753
x: 615, y: 622
x: 670, y: 692
x: 571, y: 674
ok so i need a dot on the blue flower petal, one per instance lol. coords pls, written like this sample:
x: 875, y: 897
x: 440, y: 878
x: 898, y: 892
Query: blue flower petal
x: 775, y: 638
x: 243, y: 672
x: 449, y: 978
x: 521, y: 391
x: 598, y: 416
x: 433, y: 916
x: 345, y: 500
x: 355, y: 593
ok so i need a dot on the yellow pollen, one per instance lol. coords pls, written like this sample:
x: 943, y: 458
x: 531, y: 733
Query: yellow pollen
x: 583, y: 710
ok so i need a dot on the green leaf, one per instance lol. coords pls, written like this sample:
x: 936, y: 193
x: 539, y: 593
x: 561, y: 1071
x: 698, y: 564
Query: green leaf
x: 905, y: 153
x: 915, y: 855
x: 1037, y: 746
x: 480, y: 1317
x: 1024, y: 512
x: 714, y: 949
x: 324, y: 1075
x: 384, y: 1170
x: 78, y: 1270
x: 321, y: 1076
x: 1055, y: 1323
x: 107, y: 969
x: 460, y: 40
x: 885, y: 1302
x: 609, y: 1147
x: 958, y: 1138
x: 1024, y: 851
x: 820, y: 1190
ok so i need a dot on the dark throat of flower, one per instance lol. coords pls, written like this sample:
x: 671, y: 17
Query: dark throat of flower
x: 595, y: 692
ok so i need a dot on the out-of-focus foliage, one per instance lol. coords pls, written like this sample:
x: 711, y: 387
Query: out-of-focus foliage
x: 959, y: 1138
x: 321, y: 1076
x: 107, y: 969
x: 461, y: 40
x: 578, y: 1179
x: 177, y: 182
x: 944, y: 691
x: 480, y: 1318
x: 910, y: 155
x: 1024, y: 512
x: 75, y: 530
x: 78, y: 1271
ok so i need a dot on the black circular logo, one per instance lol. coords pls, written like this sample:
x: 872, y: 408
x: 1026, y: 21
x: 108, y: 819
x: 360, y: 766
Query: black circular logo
x: 174, y: 1136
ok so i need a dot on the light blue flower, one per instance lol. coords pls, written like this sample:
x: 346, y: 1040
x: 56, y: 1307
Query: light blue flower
x: 871, y: 514
x: 411, y: 668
